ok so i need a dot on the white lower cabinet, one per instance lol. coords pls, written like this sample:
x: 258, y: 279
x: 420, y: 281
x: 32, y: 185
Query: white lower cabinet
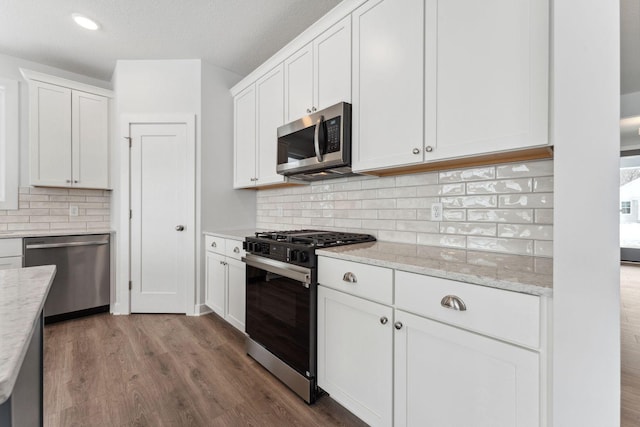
x: 449, y: 377
x: 437, y: 353
x: 355, y: 354
x: 10, y: 253
x: 225, y: 279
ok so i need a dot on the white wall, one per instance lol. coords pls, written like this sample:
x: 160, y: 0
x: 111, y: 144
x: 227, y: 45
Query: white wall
x: 630, y: 104
x: 222, y: 207
x: 183, y: 86
x: 586, y: 113
x: 10, y: 69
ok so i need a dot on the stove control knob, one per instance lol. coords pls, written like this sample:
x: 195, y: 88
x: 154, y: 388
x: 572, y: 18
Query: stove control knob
x: 304, y: 256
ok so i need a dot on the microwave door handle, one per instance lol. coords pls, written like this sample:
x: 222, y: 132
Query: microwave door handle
x: 316, y: 139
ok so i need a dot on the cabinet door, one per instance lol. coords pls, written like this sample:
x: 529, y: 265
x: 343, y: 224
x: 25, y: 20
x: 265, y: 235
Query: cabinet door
x: 10, y: 262
x: 270, y: 101
x: 244, y: 138
x: 90, y: 140
x: 492, y: 76
x: 388, y: 83
x: 355, y: 349
x: 216, y: 277
x: 445, y: 376
x: 332, y: 59
x: 236, y: 288
x: 50, y: 135
x: 298, y: 70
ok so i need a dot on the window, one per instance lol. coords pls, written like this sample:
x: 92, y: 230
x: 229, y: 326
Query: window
x: 9, y: 166
x: 625, y: 208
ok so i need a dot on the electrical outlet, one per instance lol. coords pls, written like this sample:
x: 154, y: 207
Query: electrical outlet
x: 436, y: 212
x: 73, y: 211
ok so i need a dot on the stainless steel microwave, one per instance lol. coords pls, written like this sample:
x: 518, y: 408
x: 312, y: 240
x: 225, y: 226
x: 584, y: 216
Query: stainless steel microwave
x: 317, y: 146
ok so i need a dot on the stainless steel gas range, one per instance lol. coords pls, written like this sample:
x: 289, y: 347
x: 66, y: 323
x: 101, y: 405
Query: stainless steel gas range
x: 282, y: 300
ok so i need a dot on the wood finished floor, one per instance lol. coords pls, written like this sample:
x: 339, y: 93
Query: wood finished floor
x: 630, y: 345
x: 166, y: 370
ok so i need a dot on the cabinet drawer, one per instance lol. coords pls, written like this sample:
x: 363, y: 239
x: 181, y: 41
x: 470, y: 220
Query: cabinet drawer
x: 214, y: 244
x: 368, y: 281
x: 10, y: 262
x: 502, y: 314
x: 233, y: 249
x: 10, y: 247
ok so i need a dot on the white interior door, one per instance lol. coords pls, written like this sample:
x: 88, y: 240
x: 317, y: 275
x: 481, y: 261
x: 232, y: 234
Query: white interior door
x: 162, y: 188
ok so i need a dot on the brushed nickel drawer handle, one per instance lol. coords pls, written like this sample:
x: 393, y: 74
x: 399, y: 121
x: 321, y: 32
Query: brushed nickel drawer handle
x: 452, y: 302
x: 213, y: 244
x: 349, y: 277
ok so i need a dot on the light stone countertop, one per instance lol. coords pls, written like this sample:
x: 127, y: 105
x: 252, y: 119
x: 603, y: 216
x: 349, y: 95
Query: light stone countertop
x: 525, y: 274
x: 236, y: 234
x: 48, y: 233
x: 22, y: 295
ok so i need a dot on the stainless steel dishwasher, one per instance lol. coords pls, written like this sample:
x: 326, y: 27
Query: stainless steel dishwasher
x: 82, y: 282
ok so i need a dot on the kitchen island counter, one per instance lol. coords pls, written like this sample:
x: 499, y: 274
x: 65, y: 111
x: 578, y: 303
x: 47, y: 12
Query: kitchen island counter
x: 519, y: 273
x: 23, y: 292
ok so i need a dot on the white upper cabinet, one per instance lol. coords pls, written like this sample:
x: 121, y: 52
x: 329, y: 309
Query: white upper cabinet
x: 89, y: 140
x: 388, y: 51
x: 69, y: 137
x: 299, y: 87
x: 491, y: 74
x: 270, y: 111
x: 258, y: 112
x: 244, y: 152
x: 50, y: 135
x: 319, y: 75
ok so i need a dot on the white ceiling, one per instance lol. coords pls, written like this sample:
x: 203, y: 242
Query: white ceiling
x: 237, y: 35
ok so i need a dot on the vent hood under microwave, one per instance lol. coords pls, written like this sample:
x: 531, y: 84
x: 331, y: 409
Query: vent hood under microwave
x: 317, y: 146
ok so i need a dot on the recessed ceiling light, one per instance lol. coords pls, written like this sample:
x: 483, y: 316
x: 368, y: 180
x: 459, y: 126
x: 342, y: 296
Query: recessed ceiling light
x: 85, y: 22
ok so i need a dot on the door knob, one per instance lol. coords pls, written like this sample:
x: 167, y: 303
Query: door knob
x: 179, y: 227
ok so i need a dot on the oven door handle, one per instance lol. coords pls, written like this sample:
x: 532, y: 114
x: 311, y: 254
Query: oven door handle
x: 294, y: 272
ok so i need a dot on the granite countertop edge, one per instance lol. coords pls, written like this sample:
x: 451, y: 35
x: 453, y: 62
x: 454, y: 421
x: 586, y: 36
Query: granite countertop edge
x: 235, y: 234
x: 11, y: 364
x: 342, y: 253
x: 49, y: 233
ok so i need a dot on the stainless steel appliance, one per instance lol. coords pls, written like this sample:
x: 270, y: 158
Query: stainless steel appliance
x: 81, y: 285
x: 317, y: 146
x: 282, y: 300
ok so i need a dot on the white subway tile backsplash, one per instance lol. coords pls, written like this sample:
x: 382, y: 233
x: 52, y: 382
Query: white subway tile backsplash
x: 529, y: 169
x: 501, y: 186
x: 419, y: 179
x: 538, y: 200
x: 514, y: 246
x: 501, y: 215
x: 528, y: 231
x: 502, y: 209
x: 544, y: 216
x: 543, y: 248
x: 468, y: 228
x: 474, y: 174
x: 42, y: 208
x: 436, y: 239
x: 470, y: 202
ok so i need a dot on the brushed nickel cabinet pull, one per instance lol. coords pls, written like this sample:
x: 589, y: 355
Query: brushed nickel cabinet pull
x: 349, y: 277
x: 452, y: 302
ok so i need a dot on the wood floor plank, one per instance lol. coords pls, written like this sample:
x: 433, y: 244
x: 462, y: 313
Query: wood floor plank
x: 167, y: 370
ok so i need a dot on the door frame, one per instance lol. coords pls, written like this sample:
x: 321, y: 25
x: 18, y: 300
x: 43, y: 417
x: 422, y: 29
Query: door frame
x: 123, y: 294
x: 629, y: 254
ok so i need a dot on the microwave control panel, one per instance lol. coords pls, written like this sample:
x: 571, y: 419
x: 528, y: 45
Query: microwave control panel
x: 333, y: 135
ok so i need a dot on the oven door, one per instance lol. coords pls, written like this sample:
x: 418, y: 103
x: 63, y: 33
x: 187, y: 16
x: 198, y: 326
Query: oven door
x: 280, y: 312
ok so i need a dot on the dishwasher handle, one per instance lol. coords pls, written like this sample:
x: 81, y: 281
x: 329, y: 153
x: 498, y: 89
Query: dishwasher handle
x: 64, y: 245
